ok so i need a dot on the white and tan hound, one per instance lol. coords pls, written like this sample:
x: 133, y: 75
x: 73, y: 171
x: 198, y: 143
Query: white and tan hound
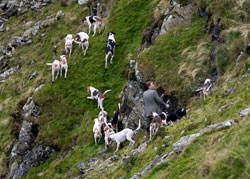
x: 92, y: 21
x: 96, y: 94
x: 55, y: 68
x: 63, y: 65
x: 82, y: 39
x: 68, y: 44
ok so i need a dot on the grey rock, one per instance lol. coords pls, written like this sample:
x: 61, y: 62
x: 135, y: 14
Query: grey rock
x: 229, y: 91
x: 8, y: 73
x: 132, y: 105
x: 217, y: 126
x: 82, y: 2
x: 142, y: 147
x: 30, y: 109
x: 245, y: 112
x: 149, y: 167
x: 12, y: 10
x: 33, y: 75
x: 38, y: 88
x: 245, y: 76
x: 39, y: 154
x: 226, y: 106
x: 239, y: 58
x: 167, y: 137
x: 181, y: 144
x: 59, y: 15
x: 177, y: 16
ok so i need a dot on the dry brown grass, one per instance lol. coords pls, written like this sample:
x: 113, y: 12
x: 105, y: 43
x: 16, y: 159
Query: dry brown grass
x: 195, y: 60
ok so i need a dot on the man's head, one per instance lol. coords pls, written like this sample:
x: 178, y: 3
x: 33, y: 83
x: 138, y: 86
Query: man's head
x: 150, y: 85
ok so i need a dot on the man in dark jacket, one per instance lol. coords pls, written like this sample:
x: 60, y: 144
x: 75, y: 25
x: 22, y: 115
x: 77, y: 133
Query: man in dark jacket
x: 152, y: 103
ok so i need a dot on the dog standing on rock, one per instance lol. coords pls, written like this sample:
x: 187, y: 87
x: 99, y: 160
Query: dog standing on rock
x: 96, y: 94
x: 110, y: 50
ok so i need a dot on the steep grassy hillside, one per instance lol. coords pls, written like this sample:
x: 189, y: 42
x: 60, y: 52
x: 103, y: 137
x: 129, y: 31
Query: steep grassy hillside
x: 178, y: 62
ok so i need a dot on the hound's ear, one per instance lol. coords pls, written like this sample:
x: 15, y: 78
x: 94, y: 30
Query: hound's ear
x: 108, y: 34
x: 83, y: 19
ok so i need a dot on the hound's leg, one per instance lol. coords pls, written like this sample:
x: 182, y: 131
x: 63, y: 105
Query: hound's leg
x: 61, y: 72
x: 94, y: 30
x: 106, y: 61
x: 130, y: 140
x: 53, y: 72
x: 66, y: 50
x: 87, y: 46
x: 89, y: 29
x: 57, y: 74
x: 95, y: 140
x: 70, y: 51
x: 118, y: 146
x: 66, y: 71
x: 100, y: 27
x: 90, y: 97
x: 111, y: 61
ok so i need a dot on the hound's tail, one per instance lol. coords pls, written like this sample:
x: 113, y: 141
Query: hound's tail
x: 138, y: 128
x: 105, y: 92
x: 49, y: 64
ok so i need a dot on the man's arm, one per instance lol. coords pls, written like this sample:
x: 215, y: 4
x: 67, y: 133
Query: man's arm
x: 159, y: 100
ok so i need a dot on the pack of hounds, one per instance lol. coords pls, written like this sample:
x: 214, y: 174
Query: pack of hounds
x: 110, y: 128
x: 82, y: 39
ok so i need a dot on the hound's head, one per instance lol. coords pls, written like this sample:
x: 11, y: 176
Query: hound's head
x: 77, y: 37
x: 84, y: 21
x: 88, y: 89
x: 153, y: 115
x: 207, y: 80
x: 63, y: 57
x: 111, y: 34
x: 69, y: 37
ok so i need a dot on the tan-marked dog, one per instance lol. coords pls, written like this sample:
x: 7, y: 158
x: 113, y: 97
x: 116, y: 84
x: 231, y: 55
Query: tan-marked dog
x: 157, y: 123
x: 96, y: 94
x: 108, y: 131
x: 69, y: 44
x: 63, y: 65
x: 92, y: 21
x: 207, y: 88
x: 83, y: 40
x: 55, y: 68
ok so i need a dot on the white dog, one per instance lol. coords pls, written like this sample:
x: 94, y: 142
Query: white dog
x: 125, y: 134
x: 63, y: 65
x: 56, y: 66
x: 207, y: 88
x: 68, y: 44
x: 84, y: 41
x: 108, y: 131
x: 97, y: 130
x: 96, y: 94
x: 92, y: 21
x: 110, y: 50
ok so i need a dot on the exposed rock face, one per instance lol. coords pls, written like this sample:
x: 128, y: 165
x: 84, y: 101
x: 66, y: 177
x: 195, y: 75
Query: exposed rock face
x: 33, y: 158
x: 175, y: 16
x: 245, y: 112
x: 132, y: 105
x: 181, y: 144
x: 30, y: 109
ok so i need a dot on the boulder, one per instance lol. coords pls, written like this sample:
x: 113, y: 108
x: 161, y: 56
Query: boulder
x: 59, y: 14
x: 177, y: 16
x: 82, y: 2
x: 132, y: 105
x: 39, y: 154
x: 245, y: 112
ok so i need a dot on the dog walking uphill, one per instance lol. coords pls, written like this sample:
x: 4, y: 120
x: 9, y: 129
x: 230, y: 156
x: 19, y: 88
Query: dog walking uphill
x: 110, y: 50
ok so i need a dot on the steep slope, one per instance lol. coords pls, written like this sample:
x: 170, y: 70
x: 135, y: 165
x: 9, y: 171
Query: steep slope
x: 179, y: 61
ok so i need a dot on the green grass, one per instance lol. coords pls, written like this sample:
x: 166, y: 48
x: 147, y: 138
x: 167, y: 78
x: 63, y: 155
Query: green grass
x: 66, y: 119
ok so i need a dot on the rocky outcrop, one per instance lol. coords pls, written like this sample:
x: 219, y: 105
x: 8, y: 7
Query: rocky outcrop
x: 184, y: 141
x: 245, y: 112
x: 33, y: 158
x: 132, y: 105
x: 176, y: 15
